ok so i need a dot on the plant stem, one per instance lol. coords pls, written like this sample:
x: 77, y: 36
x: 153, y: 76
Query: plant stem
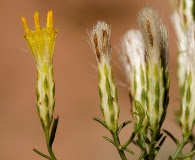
x: 152, y: 145
x: 51, y: 154
x: 118, y: 145
x: 142, y: 145
x: 49, y: 148
x: 180, y: 147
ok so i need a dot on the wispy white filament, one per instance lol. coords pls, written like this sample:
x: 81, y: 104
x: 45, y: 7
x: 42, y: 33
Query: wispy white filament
x: 132, y: 54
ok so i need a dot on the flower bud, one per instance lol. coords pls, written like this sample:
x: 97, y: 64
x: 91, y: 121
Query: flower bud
x: 100, y: 42
x: 156, y: 49
x: 187, y: 118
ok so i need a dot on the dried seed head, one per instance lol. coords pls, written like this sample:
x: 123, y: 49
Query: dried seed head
x: 100, y: 40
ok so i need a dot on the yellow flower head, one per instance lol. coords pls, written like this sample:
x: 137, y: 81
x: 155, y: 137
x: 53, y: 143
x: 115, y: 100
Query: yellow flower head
x: 41, y: 41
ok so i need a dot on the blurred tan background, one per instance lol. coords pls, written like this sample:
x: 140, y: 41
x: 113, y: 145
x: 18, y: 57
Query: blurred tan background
x: 77, y: 100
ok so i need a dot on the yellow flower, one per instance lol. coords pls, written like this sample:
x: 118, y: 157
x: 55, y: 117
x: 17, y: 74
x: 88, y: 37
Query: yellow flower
x: 41, y: 42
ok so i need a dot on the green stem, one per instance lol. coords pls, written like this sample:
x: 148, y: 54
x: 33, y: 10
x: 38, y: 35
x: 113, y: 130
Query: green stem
x: 136, y: 130
x: 142, y: 144
x: 180, y: 147
x: 41, y: 154
x: 129, y: 140
x: 152, y: 145
x: 189, y: 155
x: 49, y: 148
x: 51, y: 154
x: 118, y: 145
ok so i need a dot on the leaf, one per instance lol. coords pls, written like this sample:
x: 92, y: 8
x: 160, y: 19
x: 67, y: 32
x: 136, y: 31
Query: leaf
x: 123, y: 125
x: 189, y: 155
x: 159, y: 137
x: 53, y: 131
x: 109, y: 140
x: 128, y: 150
x: 100, y: 121
x: 139, y: 108
x: 161, y: 143
x: 137, y: 142
x: 41, y: 154
x: 171, y: 136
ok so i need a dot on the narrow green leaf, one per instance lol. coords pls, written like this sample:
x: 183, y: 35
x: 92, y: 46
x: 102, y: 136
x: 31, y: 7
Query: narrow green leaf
x: 123, y: 125
x: 53, y: 131
x: 142, y: 155
x: 100, y: 121
x: 41, y: 154
x: 187, y: 155
x: 109, y: 140
x: 128, y: 150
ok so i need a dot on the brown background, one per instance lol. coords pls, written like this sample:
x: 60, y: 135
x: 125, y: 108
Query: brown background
x: 77, y: 100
